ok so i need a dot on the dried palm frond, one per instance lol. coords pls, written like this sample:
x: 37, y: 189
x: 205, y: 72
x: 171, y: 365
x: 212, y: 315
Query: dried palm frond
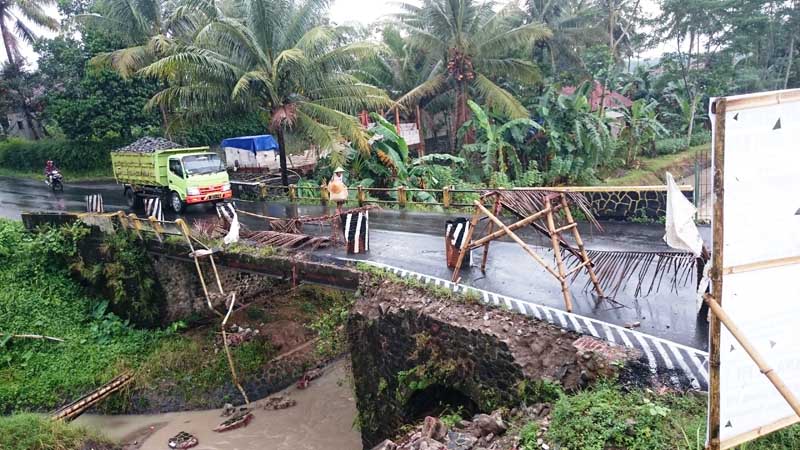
x: 208, y: 228
x: 615, y: 269
x: 526, y: 202
x: 293, y: 226
x: 287, y: 240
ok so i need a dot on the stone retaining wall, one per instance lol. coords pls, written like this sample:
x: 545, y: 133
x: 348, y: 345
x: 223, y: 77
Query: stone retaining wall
x: 405, y: 342
x: 630, y: 204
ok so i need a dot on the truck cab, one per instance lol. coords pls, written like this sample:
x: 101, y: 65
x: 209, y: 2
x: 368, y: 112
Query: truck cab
x: 196, y: 178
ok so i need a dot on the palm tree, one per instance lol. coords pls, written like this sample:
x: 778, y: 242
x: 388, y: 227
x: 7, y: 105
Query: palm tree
x: 13, y: 27
x: 474, y: 48
x: 576, y: 26
x: 277, y: 58
x: 150, y: 29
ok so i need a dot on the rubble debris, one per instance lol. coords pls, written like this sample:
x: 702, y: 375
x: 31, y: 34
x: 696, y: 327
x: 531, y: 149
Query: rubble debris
x: 305, y: 380
x: 279, y: 402
x: 239, y: 419
x: 227, y: 410
x: 182, y: 440
x: 481, y: 433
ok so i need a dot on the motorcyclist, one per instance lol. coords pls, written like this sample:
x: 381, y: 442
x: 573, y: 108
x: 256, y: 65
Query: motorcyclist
x: 49, y: 168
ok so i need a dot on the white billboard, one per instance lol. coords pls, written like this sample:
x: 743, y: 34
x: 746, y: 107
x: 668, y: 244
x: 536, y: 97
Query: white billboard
x: 761, y: 262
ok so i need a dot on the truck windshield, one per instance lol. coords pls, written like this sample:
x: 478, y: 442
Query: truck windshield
x: 202, y: 164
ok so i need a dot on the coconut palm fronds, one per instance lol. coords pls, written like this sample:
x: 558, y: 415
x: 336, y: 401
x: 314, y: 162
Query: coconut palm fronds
x: 525, y: 202
x: 615, y: 269
x: 287, y: 240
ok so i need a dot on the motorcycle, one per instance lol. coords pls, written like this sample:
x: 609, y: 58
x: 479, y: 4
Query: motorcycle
x: 55, y: 180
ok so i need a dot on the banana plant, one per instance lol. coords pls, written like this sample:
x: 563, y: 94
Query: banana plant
x: 494, y: 142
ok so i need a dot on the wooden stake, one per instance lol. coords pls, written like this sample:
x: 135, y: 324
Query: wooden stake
x: 584, y: 256
x: 562, y: 273
x: 716, y: 275
x: 773, y: 376
x: 465, y: 248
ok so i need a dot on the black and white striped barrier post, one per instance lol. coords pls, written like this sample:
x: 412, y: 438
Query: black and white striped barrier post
x: 94, y: 203
x: 455, y: 239
x: 152, y: 208
x: 356, y: 231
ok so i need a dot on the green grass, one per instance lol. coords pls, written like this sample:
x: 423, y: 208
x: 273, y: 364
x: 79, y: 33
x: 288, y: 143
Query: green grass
x: 652, y: 170
x: 34, y: 432
x: 39, y: 297
x: 69, y: 176
x: 606, y: 417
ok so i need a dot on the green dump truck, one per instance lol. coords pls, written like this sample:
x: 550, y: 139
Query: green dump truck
x: 181, y: 176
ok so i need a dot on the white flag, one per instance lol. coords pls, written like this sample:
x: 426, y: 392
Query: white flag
x: 681, y: 233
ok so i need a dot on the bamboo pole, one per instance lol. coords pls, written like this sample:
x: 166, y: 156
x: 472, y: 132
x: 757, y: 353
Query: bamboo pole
x: 35, y: 336
x: 516, y: 239
x: 185, y: 230
x: 562, y: 273
x: 760, y: 431
x: 764, y: 99
x: 421, y: 149
x: 720, y: 107
x: 490, y: 227
x: 465, y: 248
x: 228, y: 350
x: 579, y: 241
x: 513, y: 227
x: 773, y: 376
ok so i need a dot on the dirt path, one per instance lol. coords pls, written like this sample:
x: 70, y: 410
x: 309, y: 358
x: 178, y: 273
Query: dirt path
x: 322, y: 419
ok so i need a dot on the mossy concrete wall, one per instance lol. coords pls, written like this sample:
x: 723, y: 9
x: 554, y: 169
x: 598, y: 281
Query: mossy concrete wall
x: 405, y: 340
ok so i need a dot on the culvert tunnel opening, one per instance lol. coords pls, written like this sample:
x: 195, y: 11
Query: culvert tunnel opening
x: 436, y: 400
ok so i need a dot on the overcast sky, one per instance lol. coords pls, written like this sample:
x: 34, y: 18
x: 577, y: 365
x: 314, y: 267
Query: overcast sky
x: 343, y: 11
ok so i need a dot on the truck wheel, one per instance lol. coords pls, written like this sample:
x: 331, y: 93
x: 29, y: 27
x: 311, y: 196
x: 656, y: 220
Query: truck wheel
x: 176, y: 203
x: 134, y: 201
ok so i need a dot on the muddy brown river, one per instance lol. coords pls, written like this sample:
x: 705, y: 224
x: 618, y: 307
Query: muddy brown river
x: 322, y: 420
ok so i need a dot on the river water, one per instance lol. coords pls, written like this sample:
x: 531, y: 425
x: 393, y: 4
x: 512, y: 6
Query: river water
x: 322, y: 420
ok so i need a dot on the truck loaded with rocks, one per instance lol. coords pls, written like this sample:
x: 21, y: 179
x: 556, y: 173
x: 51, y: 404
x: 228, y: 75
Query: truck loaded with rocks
x: 157, y: 167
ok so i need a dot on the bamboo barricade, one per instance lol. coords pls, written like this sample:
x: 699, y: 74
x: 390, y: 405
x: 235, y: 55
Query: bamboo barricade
x: 79, y: 406
x: 547, y: 214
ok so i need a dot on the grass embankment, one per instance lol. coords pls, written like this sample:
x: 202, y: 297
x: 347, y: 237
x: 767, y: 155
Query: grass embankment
x: 651, y: 170
x: 34, y: 432
x: 41, y: 296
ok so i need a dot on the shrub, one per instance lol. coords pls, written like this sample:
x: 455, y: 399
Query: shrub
x: 604, y: 417
x: 674, y: 145
x: 23, y: 155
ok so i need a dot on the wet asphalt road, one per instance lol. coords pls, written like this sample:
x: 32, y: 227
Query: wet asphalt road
x: 414, y: 241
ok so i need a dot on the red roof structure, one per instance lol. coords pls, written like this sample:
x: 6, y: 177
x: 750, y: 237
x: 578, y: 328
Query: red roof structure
x: 611, y: 100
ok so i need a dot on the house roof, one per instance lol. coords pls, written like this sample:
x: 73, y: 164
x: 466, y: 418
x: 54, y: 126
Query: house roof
x: 610, y: 100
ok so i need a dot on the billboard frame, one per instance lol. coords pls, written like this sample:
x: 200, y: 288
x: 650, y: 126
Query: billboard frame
x: 720, y: 107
